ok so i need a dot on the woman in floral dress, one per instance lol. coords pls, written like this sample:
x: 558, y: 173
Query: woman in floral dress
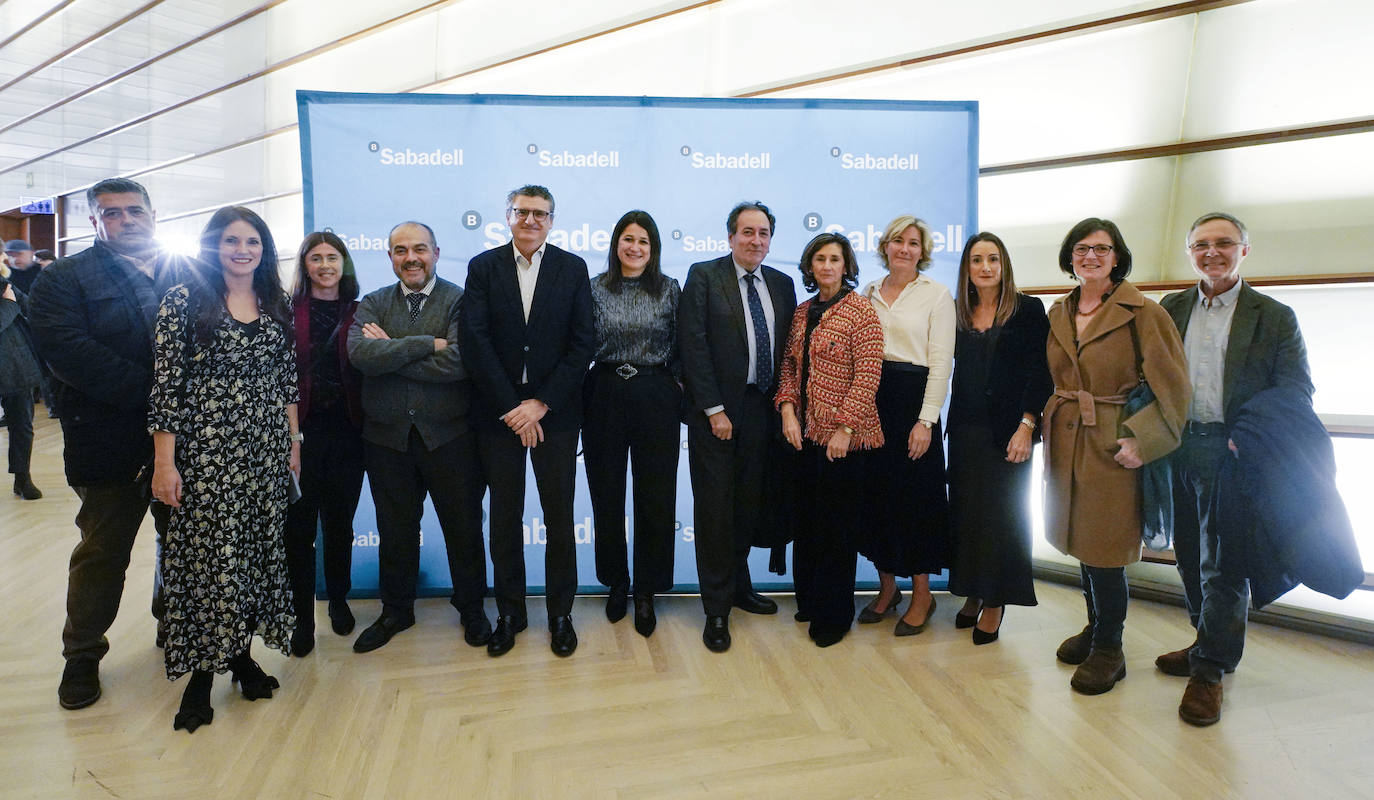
x: 223, y: 417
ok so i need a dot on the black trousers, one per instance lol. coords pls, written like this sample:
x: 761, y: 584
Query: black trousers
x: 633, y: 423
x: 109, y: 519
x: 825, y: 552
x: 727, y: 489
x: 19, y: 421
x: 452, y: 477
x: 555, y: 476
x: 332, y: 463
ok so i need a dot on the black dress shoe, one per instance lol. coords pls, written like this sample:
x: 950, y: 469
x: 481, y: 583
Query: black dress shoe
x: 616, y: 602
x: 981, y: 636
x: 564, y: 640
x: 476, y: 629
x: 380, y: 632
x: 754, y: 603
x: 302, y: 640
x: 340, y: 617
x: 80, y: 683
x: 503, y: 638
x: 717, y: 634
x: 645, y: 620
x: 801, y: 616
x: 826, y: 635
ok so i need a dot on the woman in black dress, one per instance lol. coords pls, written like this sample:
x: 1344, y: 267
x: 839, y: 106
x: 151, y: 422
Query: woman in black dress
x: 223, y: 418
x: 633, y: 399
x: 331, y: 419
x: 1001, y: 383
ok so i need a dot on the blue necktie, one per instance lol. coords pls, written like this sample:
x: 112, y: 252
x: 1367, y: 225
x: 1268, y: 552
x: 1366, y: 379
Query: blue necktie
x: 763, y: 353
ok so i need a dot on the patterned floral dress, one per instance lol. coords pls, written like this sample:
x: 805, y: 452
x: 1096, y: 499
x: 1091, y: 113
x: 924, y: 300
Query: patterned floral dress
x: 224, y: 560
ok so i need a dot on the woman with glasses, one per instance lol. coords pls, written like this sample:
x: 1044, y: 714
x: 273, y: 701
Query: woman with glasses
x: 632, y: 400
x: 331, y: 420
x: 1001, y: 383
x: 1105, y: 337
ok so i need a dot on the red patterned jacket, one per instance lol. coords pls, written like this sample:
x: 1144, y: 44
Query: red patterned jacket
x: 846, y: 365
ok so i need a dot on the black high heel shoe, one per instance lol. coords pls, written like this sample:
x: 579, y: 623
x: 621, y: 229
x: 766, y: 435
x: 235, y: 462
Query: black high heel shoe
x: 868, y: 615
x: 195, y: 708
x: 253, y: 682
x: 983, y: 637
x: 962, y: 620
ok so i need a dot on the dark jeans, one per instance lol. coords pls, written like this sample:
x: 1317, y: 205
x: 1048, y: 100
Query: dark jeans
x: 727, y: 489
x: 109, y: 519
x: 555, y: 463
x: 452, y: 478
x: 1218, y: 596
x: 1105, y: 590
x: 331, y: 480
x: 633, y: 423
x: 19, y: 417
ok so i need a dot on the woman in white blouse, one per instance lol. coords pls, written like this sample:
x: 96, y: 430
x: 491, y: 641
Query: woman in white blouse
x: 907, y: 508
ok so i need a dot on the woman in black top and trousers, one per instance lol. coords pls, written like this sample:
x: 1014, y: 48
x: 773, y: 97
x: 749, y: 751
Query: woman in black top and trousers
x: 633, y: 400
x: 1001, y: 382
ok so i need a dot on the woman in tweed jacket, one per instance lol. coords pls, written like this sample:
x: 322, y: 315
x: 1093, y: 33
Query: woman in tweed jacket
x: 829, y: 378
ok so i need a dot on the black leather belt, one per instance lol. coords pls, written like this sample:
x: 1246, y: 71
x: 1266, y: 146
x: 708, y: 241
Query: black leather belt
x: 1192, y: 428
x: 627, y: 370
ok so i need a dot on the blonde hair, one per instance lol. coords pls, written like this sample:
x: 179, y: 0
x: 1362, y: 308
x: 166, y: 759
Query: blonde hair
x: 895, y: 228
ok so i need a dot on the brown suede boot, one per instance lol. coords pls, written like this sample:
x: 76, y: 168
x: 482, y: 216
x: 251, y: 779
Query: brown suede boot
x: 1100, y: 671
x: 1075, y: 648
x: 1176, y: 663
x: 1201, y: 704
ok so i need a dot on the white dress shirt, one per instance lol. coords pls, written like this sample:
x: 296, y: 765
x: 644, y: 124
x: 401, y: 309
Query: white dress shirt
x: 527, y: 272
x: 918, y: 328
x: 406, y: 291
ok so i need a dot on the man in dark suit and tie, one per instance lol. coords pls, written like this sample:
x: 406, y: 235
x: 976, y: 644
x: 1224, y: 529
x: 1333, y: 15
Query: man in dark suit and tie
x: 92, y: 317
x: 1239, y: 343
x: 733, y: 321
x: 527, y: 337
x: 416, y: 436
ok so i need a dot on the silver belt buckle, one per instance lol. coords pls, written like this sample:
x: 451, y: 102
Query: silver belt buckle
x: 626, y: 371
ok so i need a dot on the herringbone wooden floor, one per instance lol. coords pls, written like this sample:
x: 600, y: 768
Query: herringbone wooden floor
x: 929, y: 716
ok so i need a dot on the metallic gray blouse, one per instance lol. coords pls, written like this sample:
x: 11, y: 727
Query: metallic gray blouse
x: 633, y: 326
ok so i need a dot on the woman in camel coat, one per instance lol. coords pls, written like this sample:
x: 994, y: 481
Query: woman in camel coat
x: 1092, y: 479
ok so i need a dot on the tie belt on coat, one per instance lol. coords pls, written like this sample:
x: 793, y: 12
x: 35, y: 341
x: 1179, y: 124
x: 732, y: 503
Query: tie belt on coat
x: 1087, y: 403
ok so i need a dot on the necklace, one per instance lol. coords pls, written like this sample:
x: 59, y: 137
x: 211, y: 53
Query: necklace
x: 1096, y: 309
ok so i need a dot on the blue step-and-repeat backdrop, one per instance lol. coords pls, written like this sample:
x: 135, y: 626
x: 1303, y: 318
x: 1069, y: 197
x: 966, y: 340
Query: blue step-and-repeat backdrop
x: 372, y: 160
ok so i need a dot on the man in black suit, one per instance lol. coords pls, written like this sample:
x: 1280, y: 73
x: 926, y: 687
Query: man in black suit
x: 732, y: 331
x: 527, y: 338
x: 92, y: 316
x: 416, y: 436
x: 1239, y: 343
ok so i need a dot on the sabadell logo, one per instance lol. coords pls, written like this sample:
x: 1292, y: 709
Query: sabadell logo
x: 438, y: 157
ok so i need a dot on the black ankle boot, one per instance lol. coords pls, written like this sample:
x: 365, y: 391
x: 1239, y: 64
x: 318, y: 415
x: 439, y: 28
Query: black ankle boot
x: 23, y: 486
x: 253, y: 682
x: 195, y: 703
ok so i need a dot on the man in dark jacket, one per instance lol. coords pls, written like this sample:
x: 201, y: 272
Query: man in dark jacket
x: 92, y: 319
x: 1239, y: 343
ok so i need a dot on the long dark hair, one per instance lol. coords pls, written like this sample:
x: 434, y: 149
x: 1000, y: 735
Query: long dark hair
x: 208, y: 292
x: 652, y: 277
x: 348, y: 276
x: 968, y: 293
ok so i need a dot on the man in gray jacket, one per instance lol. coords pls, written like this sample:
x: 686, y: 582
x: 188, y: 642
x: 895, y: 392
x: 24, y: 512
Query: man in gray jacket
x: 415, y: 430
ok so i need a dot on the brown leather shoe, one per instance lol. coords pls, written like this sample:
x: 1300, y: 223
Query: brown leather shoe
x: 1075, y: 648
x: 1100, y: 671
x: 1176, y: 663
x: 1201, y: 704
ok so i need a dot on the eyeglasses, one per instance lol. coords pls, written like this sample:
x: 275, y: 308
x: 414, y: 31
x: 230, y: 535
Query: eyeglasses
x: 539, y: 214
x: 1220, y: 244
x: 1100, y: 249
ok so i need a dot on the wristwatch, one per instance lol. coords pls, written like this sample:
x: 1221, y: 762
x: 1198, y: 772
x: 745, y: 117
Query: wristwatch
x: 928, y: 424
x: 298, y: 437
x: 1028, y: 423
x: 848, y: 430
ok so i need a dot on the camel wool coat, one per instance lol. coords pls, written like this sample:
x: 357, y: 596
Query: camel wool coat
x: 1092, y: 504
